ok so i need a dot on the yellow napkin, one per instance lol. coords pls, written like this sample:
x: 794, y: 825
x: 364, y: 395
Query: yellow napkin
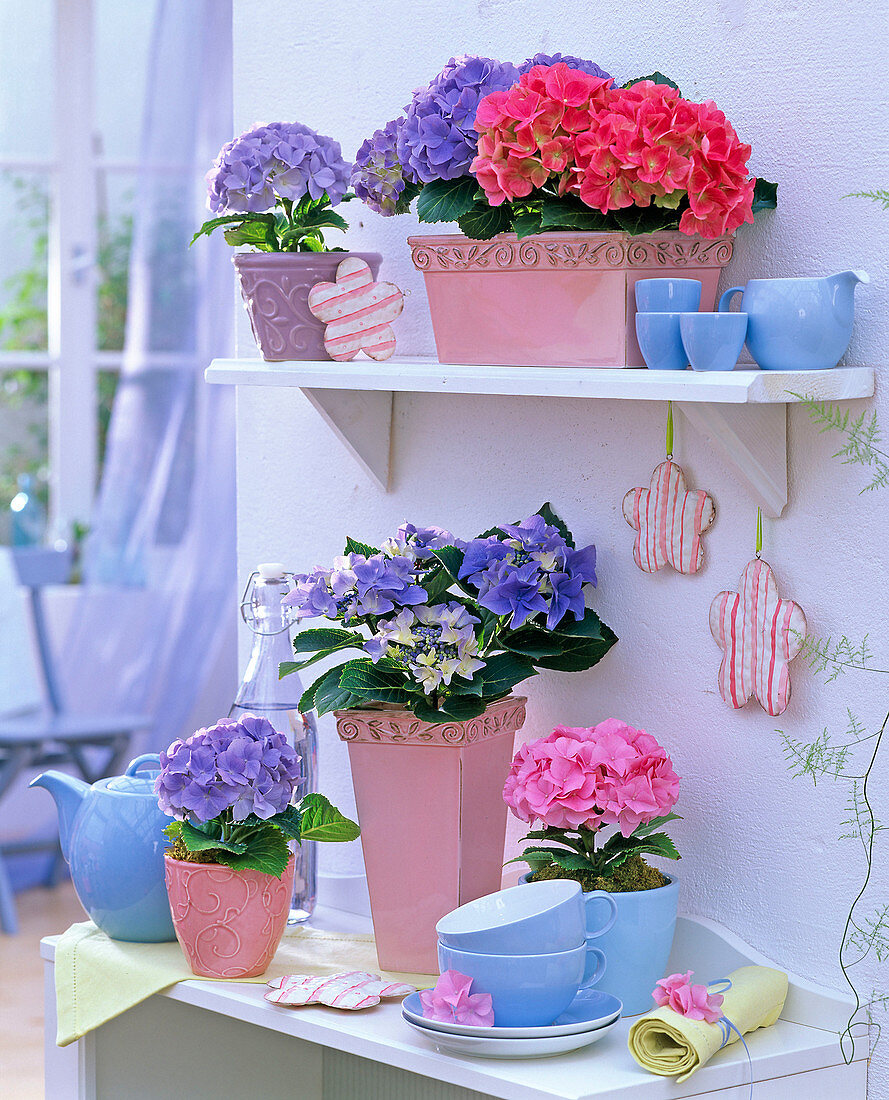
x: 666, y: 1043
x: 98, y: 978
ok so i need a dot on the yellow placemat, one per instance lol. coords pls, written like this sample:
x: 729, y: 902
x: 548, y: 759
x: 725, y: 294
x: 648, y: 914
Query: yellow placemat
x: 671, y: 1045
x: 98, y: 978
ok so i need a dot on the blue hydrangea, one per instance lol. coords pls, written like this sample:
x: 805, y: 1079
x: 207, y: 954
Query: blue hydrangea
x: 437, y: 139
x: 356, y: 586
x: 378, y: 176
x: 278, y: 160
x: 589, y: 67
x: 530, y: 570
x: 244, y: 766
x: 433, y: 644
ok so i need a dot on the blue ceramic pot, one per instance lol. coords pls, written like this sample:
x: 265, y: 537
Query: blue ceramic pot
x: 638, y: 944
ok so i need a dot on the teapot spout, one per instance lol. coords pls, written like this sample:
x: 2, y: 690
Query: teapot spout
x: 68, y: 791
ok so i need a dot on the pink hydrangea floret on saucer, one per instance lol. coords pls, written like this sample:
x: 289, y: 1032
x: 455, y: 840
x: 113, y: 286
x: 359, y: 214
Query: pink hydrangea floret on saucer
x: 451, y: 1002
x: 695, y: 1002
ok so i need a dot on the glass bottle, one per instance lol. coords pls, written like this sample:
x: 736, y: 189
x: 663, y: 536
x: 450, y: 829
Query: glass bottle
x: 262, y: 693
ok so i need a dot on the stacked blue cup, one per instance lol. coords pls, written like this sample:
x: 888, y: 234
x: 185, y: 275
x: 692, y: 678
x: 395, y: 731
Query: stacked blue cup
x: 660, y: 304
x: 528, y: 946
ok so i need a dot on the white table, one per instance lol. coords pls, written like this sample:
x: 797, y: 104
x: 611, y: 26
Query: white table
x: 222, y: 1040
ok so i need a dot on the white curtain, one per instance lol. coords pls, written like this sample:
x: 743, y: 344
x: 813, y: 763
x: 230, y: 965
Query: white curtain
x: 164, y: 524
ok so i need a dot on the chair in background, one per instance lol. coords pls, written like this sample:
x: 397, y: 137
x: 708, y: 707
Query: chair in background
x: 48, y: 735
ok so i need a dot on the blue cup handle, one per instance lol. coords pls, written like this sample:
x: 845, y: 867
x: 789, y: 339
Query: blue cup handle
x: 146, y: 758
x: 609, y: 924
x: 725, y: 301
x: 599, y: 972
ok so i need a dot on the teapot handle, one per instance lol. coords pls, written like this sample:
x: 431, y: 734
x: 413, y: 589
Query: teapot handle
x: 725, y: 301
x: 146, y: 758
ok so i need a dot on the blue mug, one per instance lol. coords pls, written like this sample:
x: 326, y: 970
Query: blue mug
x: 713, y: 341
x: 668, y: 295
x: 660, y: 341
x: 526, y: 990
x: 523, y: 920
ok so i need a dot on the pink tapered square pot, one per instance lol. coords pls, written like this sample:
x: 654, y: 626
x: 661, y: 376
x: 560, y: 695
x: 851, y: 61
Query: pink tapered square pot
x: 432, y: 815
x: 554, y: 299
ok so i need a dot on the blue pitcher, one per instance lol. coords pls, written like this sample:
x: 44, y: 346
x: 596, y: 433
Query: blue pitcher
x: 798, y: 324
x: 112, y: 835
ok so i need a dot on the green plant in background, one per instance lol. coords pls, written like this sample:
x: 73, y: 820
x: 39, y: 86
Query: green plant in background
x: 23, y: 327
x: 851, y: 757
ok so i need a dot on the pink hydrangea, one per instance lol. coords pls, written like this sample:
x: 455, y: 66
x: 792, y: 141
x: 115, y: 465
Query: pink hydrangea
x: 451, y: 1002
x: 613, y: 148
x: 696, y: 1002
x: 609, y: 774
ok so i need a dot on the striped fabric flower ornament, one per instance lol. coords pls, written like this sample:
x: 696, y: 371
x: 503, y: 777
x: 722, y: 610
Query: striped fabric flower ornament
x: 669, y: 520
x: 759, y: 634
x: 357, y: 312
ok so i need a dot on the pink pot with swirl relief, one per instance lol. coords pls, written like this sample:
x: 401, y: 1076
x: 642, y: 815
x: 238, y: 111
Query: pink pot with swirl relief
x: 228, y: 922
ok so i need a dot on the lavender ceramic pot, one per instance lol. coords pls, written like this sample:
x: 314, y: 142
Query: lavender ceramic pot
x: 275, y: 287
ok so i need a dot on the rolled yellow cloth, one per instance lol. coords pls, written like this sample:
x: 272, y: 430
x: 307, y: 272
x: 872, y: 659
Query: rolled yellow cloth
x: 98, y: 978
x: 666, y: 1043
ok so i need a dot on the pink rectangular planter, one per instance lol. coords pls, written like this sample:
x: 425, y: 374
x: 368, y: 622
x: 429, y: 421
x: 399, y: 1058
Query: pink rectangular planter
x: 556, y: 299
x: 433, y: 820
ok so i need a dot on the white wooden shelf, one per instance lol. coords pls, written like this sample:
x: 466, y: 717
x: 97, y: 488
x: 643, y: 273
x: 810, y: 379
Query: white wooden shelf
x: 741, y: 412
x: 798, y: 1057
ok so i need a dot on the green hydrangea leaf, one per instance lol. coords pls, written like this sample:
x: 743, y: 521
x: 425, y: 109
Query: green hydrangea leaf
x: 323, y: 821
x: 447, y: 200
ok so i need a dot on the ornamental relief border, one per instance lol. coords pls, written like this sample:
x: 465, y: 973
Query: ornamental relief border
x: 603, y: 251
x: 403, y: 728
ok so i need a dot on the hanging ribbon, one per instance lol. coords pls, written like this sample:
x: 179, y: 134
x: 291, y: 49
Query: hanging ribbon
x: 724, y: 1023
x: 669, y: 429
x: 759, y: 532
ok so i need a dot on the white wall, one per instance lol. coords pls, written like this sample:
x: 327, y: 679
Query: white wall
x: 804, y: 84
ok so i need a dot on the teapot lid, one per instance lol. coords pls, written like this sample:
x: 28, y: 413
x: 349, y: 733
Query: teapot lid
x: 130, y: 782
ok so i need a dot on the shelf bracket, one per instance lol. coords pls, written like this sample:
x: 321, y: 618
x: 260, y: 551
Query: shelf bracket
x: 362, y: 421
x: 754, y: 440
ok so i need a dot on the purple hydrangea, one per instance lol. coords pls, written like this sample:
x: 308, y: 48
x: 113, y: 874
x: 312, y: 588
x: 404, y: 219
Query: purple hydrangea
x: 378, y: 176
x: 278, y: 160
x: 530, y: 571
x: 589, y: 67
x: 433, y: 644
x: 418, y: 542
x: 437, y: 139
x: 244, y: 766
x: 357, y: 585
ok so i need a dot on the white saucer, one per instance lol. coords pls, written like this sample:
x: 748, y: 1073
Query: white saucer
x: 589, y: 1011
x: 509, y: 1048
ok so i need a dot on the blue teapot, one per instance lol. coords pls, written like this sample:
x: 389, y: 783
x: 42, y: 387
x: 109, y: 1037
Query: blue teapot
x: 112, y: 837
x: 798, y: 324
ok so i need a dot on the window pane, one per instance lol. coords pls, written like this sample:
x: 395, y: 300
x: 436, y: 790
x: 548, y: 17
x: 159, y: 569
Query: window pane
x: 26, y: 89
x: 23, y: 454
x: 123, y: 41
x: 24, y: 209
x: 106, y: 387
x: 114, y: 234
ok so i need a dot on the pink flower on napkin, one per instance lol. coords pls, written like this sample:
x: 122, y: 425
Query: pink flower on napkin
x: 452, y: 1003
x: 694, y: 1001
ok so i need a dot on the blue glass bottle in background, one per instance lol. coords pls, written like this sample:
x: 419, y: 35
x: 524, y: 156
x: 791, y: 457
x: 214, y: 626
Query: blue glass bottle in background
x: 28, y: 514
x: 262, y: 693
